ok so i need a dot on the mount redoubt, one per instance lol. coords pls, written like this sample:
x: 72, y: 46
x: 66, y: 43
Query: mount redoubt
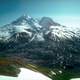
x: 40, y: 41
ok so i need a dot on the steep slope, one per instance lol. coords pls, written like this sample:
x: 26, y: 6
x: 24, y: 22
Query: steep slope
x: 24, y: 24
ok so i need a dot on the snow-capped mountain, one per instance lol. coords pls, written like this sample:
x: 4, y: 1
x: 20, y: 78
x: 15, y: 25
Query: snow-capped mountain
x: 36, y: 29
x: 24, y: 24
x: 41, y: 41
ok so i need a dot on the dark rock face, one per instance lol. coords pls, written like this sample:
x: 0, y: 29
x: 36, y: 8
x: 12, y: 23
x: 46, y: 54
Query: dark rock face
x: 19, y: 38
x: 59, y: 46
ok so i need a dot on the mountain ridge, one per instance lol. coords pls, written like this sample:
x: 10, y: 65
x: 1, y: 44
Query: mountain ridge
x: 44, y: 42
x: 32, y: 26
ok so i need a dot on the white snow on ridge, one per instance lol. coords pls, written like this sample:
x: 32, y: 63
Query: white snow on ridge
x: 7, y: 31
x: 34, y: 29
x: 75, y: 79
x: 27, y: 74
x: 64, y: 32
x: 37, y: 25
x: 23, y: 28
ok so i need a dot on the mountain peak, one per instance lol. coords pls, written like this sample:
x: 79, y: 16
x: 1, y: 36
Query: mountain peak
x: 35, y: 29
x: 27, y: 16
x: 22, y: 20
x: 47, y: 22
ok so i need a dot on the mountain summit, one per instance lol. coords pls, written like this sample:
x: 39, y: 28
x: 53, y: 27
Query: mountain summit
x: 47, y: 22
x: 35, y: 29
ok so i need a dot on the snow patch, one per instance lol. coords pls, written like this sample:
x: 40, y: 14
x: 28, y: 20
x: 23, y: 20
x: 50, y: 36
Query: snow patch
x: 27, y: 74
x: 75, y: 79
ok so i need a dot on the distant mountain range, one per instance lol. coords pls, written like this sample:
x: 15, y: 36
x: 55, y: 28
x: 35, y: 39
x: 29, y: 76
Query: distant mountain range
x: 40, y: 41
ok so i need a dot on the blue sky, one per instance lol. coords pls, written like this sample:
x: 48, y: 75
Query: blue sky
x: 63, y: 11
